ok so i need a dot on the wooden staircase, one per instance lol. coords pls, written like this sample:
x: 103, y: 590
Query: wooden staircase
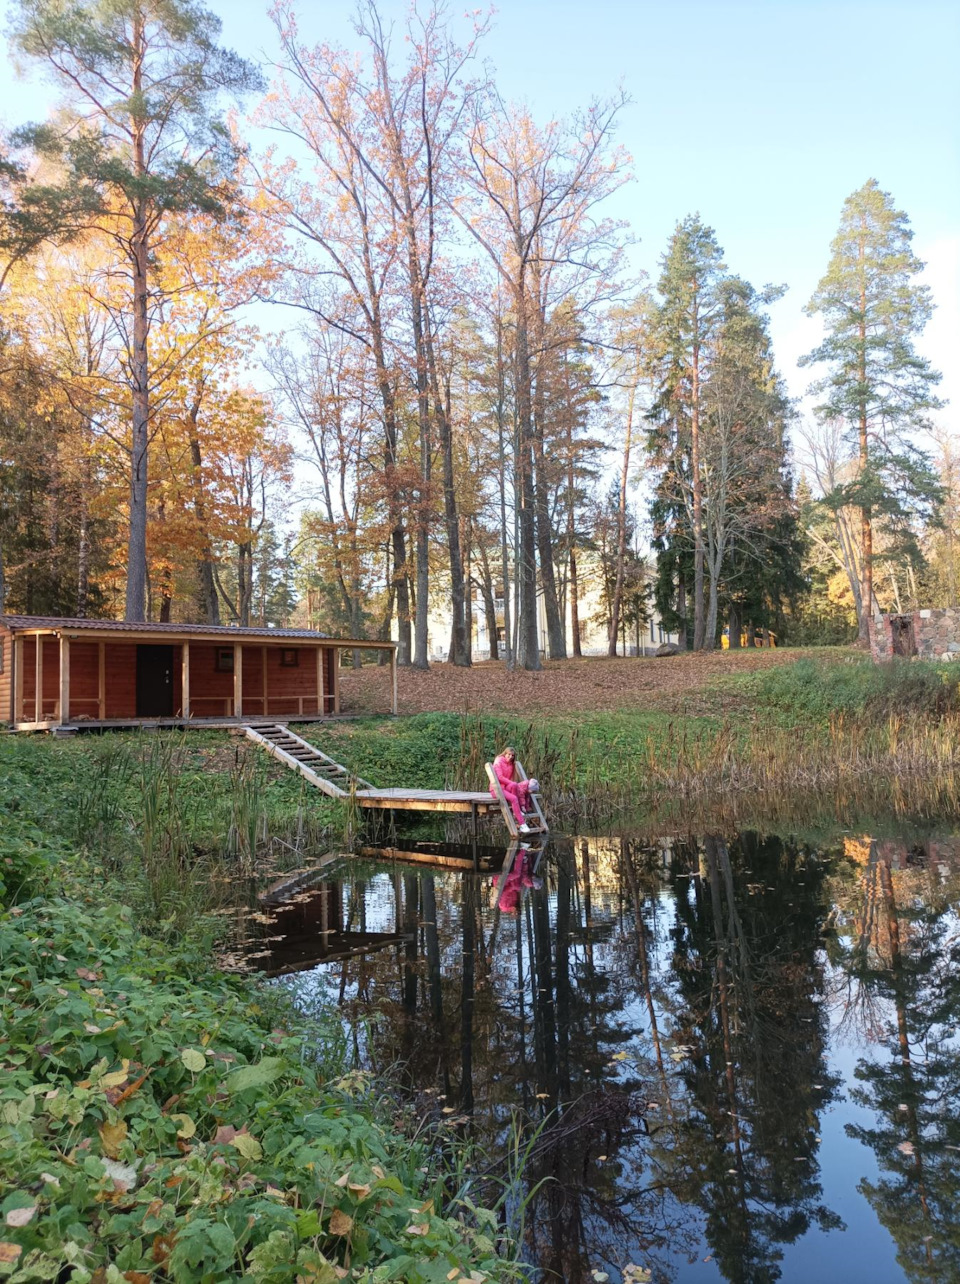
x: 327, y: 775
x: 535, y: 819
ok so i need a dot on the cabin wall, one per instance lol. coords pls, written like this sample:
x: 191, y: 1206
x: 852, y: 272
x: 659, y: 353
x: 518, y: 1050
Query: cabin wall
x: 270, y: 688
x: 331, y: 659
x: 6, y: 675
x: 120, y: 668
x: 211, y: 692
x: 84, y: 680
x: 252, y: 693
x: 50, y: 688
x: 291, y: 690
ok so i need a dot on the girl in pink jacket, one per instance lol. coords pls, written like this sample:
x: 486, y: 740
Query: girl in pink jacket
x: 517, y: 792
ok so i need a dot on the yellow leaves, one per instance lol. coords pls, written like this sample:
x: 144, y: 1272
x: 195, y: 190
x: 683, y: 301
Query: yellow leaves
x: 9, y: 1252
x: 248, y: 1146
x: 340, y: 1223
x: 115, y: 1078
x: 187, y: 1127
x: 112, y: 1137
x: 194, y: 1060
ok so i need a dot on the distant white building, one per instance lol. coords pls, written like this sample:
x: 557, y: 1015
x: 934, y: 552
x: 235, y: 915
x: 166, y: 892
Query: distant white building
x: 593, y: 629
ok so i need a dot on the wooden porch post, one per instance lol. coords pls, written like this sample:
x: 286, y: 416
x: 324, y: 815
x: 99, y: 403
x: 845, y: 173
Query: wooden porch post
x: 336, y: 679
x: 237, y: 680
x: 321, y: 703
x: 38, y: 694
x: 64, y: 703
x: 17, y: 679
x: 101, y: 680
x: 185, y: 680
x: 393, y: 679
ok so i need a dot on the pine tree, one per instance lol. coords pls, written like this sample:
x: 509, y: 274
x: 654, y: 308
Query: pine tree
x: 876, y: 384
x: 142, y: 77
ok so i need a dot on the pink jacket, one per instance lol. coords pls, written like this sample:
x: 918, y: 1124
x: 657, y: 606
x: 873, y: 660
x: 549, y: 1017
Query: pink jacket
x: 503, y: 770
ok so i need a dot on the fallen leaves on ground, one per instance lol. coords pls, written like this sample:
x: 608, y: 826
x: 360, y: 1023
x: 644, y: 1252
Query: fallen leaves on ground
x: 597, y: 683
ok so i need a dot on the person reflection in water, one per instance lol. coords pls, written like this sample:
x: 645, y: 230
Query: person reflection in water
x: 512, y: 887
x: 516, y: 792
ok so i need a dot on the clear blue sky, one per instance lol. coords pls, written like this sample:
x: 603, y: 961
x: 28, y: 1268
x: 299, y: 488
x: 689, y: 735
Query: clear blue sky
x: 763, y: 115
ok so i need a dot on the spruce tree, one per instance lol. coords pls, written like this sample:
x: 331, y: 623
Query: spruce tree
x: 142, y: 80
x: 876, y: 384
x: 684, y: 324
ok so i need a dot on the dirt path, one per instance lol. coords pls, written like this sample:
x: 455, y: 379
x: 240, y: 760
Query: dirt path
x: 597, y: 684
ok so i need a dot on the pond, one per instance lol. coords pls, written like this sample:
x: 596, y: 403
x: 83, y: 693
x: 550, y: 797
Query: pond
x: 737, y: 1058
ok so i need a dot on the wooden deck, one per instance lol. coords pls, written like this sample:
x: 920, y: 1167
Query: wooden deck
x: 192, y: 723
x: 336, y: 781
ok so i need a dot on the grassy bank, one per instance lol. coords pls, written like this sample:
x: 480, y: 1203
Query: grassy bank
x: 835, y: 731
x: 159, y: 1119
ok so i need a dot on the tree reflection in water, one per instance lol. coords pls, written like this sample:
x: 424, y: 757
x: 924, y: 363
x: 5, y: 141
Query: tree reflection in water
x: 902, y: 958
x: 659, y: 1011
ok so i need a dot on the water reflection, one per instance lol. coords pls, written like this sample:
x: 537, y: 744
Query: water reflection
x: 740, y: 1053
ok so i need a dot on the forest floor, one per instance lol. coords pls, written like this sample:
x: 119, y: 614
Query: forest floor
x: 688, y: 684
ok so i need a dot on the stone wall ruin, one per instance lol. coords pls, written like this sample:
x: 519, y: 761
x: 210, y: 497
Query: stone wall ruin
x: 931, y: 634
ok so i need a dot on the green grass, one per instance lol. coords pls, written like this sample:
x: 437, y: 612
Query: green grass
x: 161, y: 1119
x: 812, y: 692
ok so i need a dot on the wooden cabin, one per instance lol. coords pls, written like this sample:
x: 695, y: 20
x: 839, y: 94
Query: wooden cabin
x: 63, y: 673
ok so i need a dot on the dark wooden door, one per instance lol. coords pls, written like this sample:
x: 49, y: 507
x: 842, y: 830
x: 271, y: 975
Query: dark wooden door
x: 154, y: 681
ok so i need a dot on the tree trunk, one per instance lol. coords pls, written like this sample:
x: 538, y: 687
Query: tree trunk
x: 509, y: 653
x: 556, y: 641
x: 734, y: 627
x: 83, y: 544
x: 459, y: 649
x: 489, y: 601
x: 682, y: 614
x: 208, y: 591
x: 135, y: 606
x: 710, y: 629
x: 866, y: 525
x: 421, y: 659
x: 528, y: 650
x: 699, y: 629
x: 466, y: 544
x: 574, y: 606
x: 621, y: 533
x: 244, y: 583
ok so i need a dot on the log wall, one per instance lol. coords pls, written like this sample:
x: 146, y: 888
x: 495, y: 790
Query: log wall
x: 6, y: 675
x: 50, y: 692
x: 290, y: 689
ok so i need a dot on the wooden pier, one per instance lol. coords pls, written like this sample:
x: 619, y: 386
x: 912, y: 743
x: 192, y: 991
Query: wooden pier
x: 336, y: 781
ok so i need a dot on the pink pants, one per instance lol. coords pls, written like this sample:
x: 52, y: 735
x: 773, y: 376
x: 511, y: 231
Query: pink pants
x: 517, y: 794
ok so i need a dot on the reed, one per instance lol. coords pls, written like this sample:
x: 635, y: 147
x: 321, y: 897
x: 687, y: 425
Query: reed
x: 905, y: 765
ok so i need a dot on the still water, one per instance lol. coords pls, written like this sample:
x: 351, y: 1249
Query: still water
x: 743, y: 1052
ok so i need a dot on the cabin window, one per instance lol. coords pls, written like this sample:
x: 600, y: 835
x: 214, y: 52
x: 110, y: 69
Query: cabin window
x: 224, y: 659
x: 289, y: 658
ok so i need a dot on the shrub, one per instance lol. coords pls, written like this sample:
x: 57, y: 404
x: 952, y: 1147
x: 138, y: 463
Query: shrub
x: 158, y: 1120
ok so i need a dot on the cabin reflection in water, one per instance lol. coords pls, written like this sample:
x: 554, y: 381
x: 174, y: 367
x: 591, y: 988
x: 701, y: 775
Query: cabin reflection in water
x: 742, y: 1055
x: 315, y: 919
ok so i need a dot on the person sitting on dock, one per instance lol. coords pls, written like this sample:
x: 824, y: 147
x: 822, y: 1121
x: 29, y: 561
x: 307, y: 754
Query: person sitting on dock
x: 516, y: 792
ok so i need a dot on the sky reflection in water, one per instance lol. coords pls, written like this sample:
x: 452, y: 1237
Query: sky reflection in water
x: 745, y: 1049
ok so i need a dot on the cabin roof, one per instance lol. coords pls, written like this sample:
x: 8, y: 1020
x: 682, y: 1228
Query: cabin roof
x: 31, y: 623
